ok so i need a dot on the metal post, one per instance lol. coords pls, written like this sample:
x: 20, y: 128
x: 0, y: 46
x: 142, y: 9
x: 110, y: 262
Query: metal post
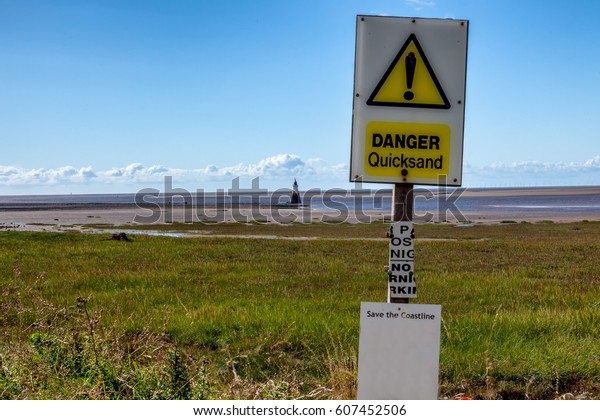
x: 402, y: 211
x: 402, y: 207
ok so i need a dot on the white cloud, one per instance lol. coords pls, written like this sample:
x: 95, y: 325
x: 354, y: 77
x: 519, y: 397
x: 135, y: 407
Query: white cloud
x: 275, y: 172
x: 273, y: 166
x: 419, y: 4
x: 533, y: 173
x: 593, y: 163
x: 10, y: 175
x: 376, y: 13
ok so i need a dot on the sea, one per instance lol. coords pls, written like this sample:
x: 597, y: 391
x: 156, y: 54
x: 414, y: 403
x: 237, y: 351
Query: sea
x: 476, y: 203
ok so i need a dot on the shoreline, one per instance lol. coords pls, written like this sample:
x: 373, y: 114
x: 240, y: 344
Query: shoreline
x: 28, y: 214
x: 61, y: 220
x: 91, y: 199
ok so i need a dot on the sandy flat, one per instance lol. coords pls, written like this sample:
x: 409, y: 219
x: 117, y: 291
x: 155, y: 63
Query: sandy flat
x: 520, y: 192
x: 67, y: 217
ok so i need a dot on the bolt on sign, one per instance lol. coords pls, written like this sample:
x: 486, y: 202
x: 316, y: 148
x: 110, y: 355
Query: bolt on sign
x: 401, y: 268
x: 409, y: 100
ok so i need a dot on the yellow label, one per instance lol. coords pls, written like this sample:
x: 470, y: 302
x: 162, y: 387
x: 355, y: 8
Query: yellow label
x: 407, y: 150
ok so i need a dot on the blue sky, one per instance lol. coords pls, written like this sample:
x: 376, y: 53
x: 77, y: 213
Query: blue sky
x: 112, y: 95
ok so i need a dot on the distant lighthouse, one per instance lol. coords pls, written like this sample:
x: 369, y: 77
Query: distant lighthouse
x: 296, y: 194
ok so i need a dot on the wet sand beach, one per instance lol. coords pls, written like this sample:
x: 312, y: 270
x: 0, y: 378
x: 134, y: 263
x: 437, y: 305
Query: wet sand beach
x: 473, y: 206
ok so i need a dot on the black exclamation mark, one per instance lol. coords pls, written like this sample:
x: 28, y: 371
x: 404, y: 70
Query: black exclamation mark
x: 411, y: 64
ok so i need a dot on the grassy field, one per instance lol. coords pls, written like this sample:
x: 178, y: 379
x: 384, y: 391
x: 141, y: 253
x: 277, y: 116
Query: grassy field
x: 234, y: 317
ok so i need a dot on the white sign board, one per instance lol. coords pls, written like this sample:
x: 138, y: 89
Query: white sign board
x: 409, y: 100
x: 399, y: 349
x: 401, y: 268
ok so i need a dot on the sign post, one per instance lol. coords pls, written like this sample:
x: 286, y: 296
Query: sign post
x: 402, y: 210
x: 401, y: 268
x: 407, y: 128
x: 409, y: 105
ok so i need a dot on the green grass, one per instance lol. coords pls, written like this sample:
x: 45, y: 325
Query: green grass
x: 224, y: 317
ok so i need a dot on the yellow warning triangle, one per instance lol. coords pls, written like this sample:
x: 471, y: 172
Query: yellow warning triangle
x: 410, y: 81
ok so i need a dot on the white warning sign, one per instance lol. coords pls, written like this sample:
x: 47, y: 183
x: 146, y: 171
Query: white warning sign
x: 399, y: 351
x: 401, y: 268
x: 409, y: 100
